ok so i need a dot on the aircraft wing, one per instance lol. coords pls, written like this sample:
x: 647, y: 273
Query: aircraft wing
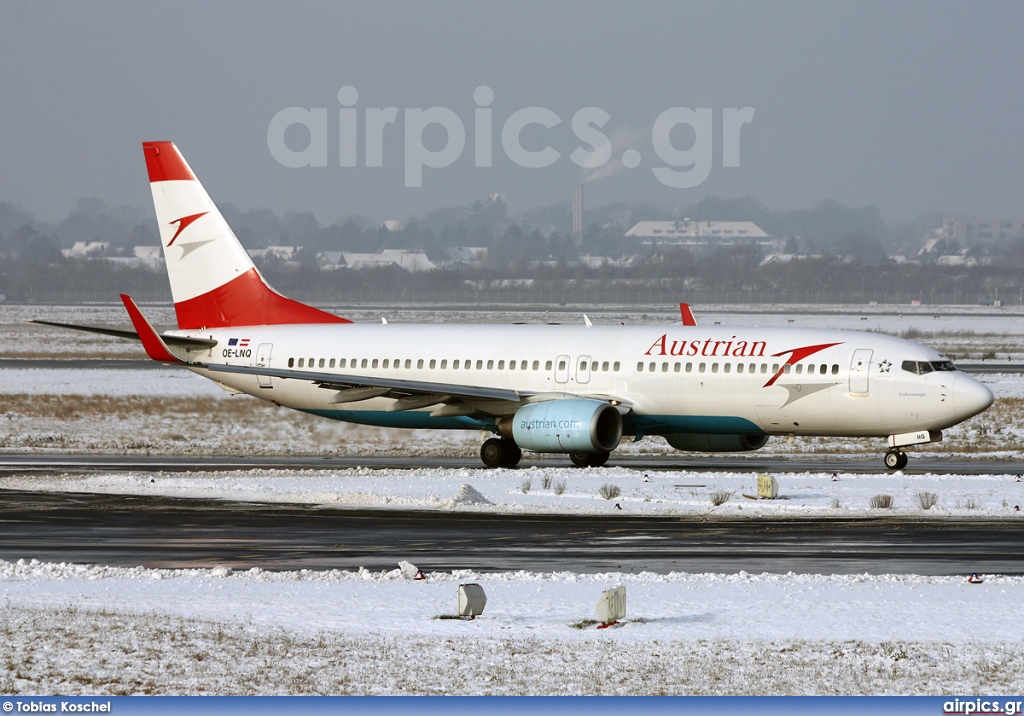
x: 455, y: 399
x: 396, y: 387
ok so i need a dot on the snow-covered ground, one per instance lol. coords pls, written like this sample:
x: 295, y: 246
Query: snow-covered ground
x: 75, y: 629
x: 551, y: 489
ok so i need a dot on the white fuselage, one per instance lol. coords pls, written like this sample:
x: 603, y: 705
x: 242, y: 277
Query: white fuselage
x: 672, y: 379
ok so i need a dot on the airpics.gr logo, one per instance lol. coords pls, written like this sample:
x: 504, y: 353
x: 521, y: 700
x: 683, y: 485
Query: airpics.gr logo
x: 682, y: 168
x: 961, y: 707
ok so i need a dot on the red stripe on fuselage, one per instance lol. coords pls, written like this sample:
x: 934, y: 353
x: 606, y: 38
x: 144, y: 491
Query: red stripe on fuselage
x: 247, y: 301
x: 165, y: 163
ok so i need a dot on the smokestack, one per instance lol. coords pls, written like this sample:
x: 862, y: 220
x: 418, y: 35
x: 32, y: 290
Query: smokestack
x: 577, y: 214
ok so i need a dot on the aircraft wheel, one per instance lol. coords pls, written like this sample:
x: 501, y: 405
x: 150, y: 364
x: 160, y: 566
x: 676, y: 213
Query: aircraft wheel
x: 597, y: 459
x: 493, y: 452
x: 896, y: 460
x: 580, y: 459
x: 513, y: 454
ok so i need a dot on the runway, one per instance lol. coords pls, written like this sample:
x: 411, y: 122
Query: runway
x: 50, y: 463
x: 121, y: 530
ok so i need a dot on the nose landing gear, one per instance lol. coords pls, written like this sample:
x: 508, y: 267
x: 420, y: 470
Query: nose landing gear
x: 896, y: 459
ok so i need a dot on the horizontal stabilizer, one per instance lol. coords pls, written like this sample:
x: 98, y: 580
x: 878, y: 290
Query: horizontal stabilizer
x: 182, y: 341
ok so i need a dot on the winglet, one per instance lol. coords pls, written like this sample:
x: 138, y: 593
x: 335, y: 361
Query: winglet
x: 151, y: 340
x: 687, y: 314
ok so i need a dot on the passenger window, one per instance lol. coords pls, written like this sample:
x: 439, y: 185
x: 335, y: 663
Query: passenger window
x: 800, y: 369
x: 302, y: 362
x: 419, y: 363
x: 444, y: 364
x: 739, y: 367
x: 664, y: 367
x: 689, y: 367
x: 583, y: 365
x: 810, y: 369
x: 835, y: 369
x: 775, y: 368
x: 408, y: 362
x: 330, y: 363
x: 374, y: 364
x: 604, y: 366
x: 727, y: 367
x: 702, y: 367
x: 386, y: 363
x: 764, y: 367
x: 490, y: 365
x: 511, y: 365
x: 788, y: 367
x: 676, y: 367
x: 651, y: 367
x: 455, y: 365
x: 752, y: 368
x: 291, y: 362
x: 547, y: 365
x: 561, y: 365
x: 363, y: 363
x: 312, y: 362
x: 823, y: 369
x: 479, y: 365
x: 341, y: 363
x: 321, y: 362
x: 536, y: 365
x: 501, y: 365
x: 640, y: 367
x: 714, y: 367
x: 615, y: 366
x: 433, y: 363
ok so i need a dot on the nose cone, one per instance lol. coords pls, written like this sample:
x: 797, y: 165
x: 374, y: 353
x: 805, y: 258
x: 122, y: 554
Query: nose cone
x: 970, y: 397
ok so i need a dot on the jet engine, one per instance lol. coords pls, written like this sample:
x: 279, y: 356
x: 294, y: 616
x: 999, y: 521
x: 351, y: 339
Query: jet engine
x: 716, y: 443
x: 567, y: 425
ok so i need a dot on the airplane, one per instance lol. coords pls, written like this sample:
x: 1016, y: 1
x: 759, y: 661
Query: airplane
x: 575, y: 390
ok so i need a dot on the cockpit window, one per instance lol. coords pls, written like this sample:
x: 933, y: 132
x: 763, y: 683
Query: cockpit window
x: 920, y: 367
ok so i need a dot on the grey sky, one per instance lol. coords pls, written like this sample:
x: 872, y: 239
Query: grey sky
x: 913, y: 107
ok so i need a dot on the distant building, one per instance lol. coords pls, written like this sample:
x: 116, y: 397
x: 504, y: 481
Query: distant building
x: 974, y: 231
x: 281, y: 253
x: 86, y: 248
x: 683, y: 233
x: 411, y: 261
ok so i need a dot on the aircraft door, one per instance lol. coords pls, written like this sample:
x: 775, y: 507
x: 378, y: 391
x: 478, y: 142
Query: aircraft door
x: 263, y: 361
x: 562, y: 369
x: 583, y: 369
x: 860, y: 365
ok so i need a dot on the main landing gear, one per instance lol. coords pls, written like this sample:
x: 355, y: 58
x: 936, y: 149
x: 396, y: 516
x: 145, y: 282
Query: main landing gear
x: 589, y: 459
x: 896, y: 459
x: 496, y: 452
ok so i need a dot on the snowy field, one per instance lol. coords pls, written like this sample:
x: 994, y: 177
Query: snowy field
x: 95, y: 630
x: 79, y: 629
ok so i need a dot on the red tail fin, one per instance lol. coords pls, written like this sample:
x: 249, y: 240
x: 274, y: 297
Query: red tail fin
x: 213, y: 280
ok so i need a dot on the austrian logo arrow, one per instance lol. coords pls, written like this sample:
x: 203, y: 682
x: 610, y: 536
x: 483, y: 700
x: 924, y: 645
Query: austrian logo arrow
x: 795, y: 356
x: 183, y: 223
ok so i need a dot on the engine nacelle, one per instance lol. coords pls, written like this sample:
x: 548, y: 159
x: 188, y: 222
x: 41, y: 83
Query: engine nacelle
x: 567, y: 425
x: 716, y: 443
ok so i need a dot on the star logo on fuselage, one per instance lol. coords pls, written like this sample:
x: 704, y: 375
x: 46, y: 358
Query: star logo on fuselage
x: 884, y: 366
